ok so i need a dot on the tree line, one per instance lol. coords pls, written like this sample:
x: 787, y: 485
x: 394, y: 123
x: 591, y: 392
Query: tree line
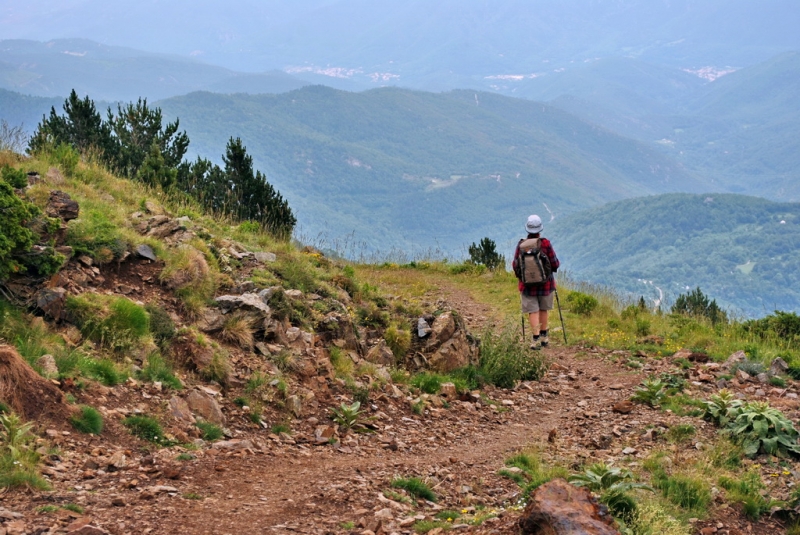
x: 134, y: 142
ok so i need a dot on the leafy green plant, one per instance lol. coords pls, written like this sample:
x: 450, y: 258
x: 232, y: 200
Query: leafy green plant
x: 209, y: 431
x: 416, y: 487
x: 145, y: 427
x: 650, y: 392
x: 760, y: 427
x: 346, y: 415
x: 722, y: 407
x: 18, y: 457
x: 88, y: 421
x: 601, y: 477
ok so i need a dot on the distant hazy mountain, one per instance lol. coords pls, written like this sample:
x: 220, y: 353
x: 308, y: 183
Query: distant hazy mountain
x: 742, y: 251
x: 111, y: 73
x: 418, y: 43
x: 412, y: 169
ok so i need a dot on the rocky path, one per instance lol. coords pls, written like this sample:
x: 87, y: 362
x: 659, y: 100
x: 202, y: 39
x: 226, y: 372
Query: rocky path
x: 292, y: 488
x: 291, y: 484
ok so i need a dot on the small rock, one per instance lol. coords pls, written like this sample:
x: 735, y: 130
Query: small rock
x: 145, y: 251
x: 47, y: 363
x: 623, y: 407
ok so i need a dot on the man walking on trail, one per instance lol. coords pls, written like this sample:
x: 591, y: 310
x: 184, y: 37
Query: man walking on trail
x: 534, y: 263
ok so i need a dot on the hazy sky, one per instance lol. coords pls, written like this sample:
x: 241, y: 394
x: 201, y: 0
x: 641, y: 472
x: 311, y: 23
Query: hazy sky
x: 468, y: 35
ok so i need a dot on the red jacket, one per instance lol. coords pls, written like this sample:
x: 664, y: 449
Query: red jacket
x: 550, y: 284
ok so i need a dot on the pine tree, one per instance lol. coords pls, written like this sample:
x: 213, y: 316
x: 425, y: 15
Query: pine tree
x: 81, y: 126
x: 137, y: 128
x: 250, y: 196
x: 486, y: 253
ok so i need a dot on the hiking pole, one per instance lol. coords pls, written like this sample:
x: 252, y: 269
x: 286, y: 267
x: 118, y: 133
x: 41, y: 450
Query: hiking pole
x: 563, y: 328
x: 522, y: 317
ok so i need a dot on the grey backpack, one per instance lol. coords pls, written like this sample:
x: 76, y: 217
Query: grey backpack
x: 533, y: 265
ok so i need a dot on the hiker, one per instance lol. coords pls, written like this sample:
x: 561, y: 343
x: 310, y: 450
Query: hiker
x: 534, y: 263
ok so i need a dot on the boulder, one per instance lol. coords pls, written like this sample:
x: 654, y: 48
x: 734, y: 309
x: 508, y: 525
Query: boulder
x: 265, y: 257
x: 735, y: 358
x: 145, y: 251
x: 51, y: 301
x: 206, y: 406
x: 179, y: 409
x: 423, y: 329
x: 381, y: 354
x: 558, y: 508
x: 454, y: 353
x: 47, y: 363
x: 247, y: 301
x: 778, y: 367
x: 442, y: 329
x: 62, y: 206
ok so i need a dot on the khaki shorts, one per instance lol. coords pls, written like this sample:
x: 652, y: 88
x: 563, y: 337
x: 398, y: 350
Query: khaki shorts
x: 535, y: 303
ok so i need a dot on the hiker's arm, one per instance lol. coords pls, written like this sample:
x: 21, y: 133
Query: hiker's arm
x: 551, y: 254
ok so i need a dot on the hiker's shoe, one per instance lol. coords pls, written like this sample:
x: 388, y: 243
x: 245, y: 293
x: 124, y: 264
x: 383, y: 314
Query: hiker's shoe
x: 543, y: 340
x: 536, y: 345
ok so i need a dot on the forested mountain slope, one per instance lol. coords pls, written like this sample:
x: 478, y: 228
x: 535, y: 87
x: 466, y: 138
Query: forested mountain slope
x: 742, y: 251
x: 412, y: 169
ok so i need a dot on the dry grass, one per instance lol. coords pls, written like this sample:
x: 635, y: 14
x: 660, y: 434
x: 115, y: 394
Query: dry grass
x: 238, y: 329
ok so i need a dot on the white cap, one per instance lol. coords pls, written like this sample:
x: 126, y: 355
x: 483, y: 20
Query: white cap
x: 534, y: 224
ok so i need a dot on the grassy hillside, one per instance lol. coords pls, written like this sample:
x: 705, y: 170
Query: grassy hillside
x: 741, y: 251
x: 413, y: 170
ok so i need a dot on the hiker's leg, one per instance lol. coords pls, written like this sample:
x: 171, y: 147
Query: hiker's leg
x: 533, y: 319
x: 543, y: 319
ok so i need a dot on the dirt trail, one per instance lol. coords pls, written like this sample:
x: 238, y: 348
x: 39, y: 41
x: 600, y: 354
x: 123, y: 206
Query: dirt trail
x: 290, y: 485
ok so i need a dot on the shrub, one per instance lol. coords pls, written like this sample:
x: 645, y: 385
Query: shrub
x: 114, y: 322
x: 15, y: 236
x: 96, y: 235
x: 504, y: 361
x: 209, y: 431
x: 485, y: 253
x: 145, y: 427
x: 102, y: 370
x: 416, y: 487
x: 157, y: 370
x: 535, y: 471
x: 398, y: 340
x: 161, y: 325
x: 89, y: 421
x: 341, y: 362
x: 428, y: 382
x: 581, y: 303
x: 696, y: 303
